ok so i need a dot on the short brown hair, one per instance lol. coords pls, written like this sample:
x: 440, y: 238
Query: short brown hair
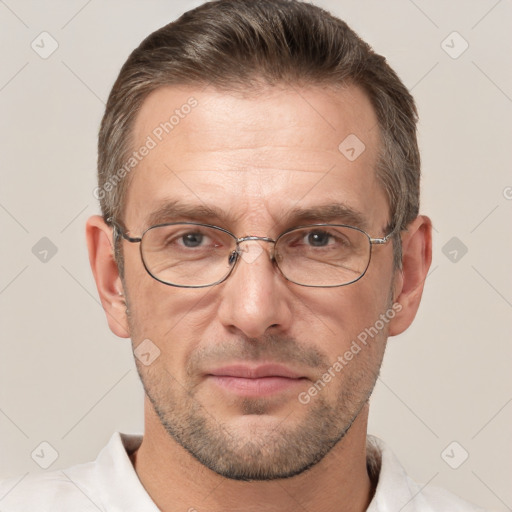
x: 243, y: 44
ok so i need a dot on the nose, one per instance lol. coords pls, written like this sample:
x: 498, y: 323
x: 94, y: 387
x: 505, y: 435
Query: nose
x: 255, y: 297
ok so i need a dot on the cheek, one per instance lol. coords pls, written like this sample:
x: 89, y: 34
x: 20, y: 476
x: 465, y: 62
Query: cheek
x: 341, y: 319
x: 350, y: 308
x: 172, y: 318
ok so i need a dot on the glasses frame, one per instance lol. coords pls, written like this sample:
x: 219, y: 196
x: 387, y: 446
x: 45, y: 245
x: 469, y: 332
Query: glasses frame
x: 118, y: 231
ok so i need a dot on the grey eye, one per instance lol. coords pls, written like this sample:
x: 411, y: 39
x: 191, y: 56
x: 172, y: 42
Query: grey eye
x: 192, y: 239
x: 318, y: 238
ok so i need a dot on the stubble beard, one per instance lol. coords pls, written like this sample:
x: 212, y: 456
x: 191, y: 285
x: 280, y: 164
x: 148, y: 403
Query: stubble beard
x: 259, y: 452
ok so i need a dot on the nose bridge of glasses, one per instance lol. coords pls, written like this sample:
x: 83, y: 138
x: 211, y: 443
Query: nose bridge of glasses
x: 262, y: 238
x: 256, y: 248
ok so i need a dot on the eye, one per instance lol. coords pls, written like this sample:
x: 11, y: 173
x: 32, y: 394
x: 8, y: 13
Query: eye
x: 176, y: 238
x: 318, y: 238
x: 192, y: 239
x: 321, y: 240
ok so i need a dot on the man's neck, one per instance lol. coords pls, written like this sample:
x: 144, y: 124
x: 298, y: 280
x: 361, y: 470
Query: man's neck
x: 176, y: 481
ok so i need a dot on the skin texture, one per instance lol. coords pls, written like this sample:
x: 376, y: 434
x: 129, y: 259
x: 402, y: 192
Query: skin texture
x: 255, y: 157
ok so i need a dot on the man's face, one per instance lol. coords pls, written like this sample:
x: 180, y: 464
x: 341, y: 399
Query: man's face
x: 255, y: 158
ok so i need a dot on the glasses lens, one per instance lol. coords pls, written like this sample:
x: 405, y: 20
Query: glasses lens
x: 323, y: 255
x: 187, y: 254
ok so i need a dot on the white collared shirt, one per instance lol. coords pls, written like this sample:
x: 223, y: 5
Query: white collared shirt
x: 110, y: 484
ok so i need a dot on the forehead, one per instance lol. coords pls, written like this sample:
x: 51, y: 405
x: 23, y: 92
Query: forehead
x: 256, y: 154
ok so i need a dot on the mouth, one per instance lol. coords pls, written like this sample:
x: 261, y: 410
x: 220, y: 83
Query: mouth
x: 255, y: 381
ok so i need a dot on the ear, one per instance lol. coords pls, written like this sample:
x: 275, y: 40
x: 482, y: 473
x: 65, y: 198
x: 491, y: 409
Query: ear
x: 106, y: 274
x: 409, y: 282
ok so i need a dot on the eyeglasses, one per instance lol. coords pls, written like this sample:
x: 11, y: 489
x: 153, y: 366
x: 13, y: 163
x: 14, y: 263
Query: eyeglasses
x: 194, y: 255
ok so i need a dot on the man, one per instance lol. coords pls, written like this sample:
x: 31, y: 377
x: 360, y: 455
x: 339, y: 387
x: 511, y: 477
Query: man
x: 260, y: 240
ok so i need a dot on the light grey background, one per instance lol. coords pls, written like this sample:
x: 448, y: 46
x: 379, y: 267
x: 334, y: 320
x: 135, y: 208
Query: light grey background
x: 67, y: 380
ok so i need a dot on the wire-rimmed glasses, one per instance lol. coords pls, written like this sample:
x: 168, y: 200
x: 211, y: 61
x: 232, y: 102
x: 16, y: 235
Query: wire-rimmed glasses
x: 195, y: 255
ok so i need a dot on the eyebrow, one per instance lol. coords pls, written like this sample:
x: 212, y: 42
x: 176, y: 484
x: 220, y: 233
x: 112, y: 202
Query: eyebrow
x: 329, y: 213
x: 175, y: 210
x: 171, y: 211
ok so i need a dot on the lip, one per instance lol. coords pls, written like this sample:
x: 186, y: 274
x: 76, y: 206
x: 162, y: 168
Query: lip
x: 255, y: 372
x: 262, y: 380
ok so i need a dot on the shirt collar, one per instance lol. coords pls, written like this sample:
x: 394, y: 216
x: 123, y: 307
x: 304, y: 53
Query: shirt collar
x: 116, y: 477
x: 118, y: 482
